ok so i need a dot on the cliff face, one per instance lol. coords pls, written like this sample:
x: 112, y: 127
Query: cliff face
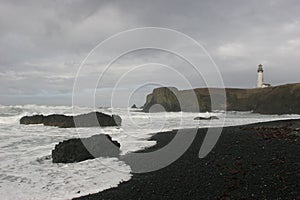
x: 284, y: 99
x: 165, y: 97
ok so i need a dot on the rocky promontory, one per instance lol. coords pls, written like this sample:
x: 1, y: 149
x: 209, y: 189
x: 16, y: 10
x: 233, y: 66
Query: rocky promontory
x: 84, y: 120
x: 284, y: 99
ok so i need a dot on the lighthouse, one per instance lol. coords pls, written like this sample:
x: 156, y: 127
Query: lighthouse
x: 260, y: 76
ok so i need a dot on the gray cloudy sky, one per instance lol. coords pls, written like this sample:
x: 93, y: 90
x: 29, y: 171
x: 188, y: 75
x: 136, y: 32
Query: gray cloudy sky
x: 42, y: 44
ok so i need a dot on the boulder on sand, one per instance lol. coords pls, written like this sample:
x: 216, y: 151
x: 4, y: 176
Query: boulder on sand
x: 80, y: 149
x: 85, y: 120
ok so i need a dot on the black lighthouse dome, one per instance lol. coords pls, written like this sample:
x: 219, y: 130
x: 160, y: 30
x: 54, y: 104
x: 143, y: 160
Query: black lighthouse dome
x: 260, y: 68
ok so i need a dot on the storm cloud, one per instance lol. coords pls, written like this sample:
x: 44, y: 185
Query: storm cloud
x: 42, y: 44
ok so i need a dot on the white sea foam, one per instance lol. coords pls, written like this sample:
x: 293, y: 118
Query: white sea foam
x: 26, y: 170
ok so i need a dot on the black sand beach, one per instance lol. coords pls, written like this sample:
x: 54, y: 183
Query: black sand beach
x: 258, y: 161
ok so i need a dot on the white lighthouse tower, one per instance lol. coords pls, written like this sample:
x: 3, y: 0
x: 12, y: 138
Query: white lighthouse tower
x: 260, y: 77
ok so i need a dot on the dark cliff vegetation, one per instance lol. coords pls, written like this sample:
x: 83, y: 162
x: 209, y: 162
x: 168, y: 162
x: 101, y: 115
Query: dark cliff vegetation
x: 284, y: 99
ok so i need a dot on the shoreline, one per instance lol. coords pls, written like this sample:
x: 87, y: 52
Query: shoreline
x: 258, y: 160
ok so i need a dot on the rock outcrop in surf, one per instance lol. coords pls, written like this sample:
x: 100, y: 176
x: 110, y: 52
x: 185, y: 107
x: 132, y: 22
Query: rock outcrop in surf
x: 80, y: 149
x: 85, y: 120
x: 134, y: 106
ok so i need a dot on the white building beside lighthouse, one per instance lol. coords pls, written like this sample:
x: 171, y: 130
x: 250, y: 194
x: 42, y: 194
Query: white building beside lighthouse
x: 260, y: 77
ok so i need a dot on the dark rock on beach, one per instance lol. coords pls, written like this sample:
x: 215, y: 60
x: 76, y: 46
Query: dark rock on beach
x: 242, y: 165
x: 76, y: 150
x: 85, y: 120
x: 206, y: 118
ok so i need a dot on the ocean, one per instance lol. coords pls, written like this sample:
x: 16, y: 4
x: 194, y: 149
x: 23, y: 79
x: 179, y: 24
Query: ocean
x: 27, y: 171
